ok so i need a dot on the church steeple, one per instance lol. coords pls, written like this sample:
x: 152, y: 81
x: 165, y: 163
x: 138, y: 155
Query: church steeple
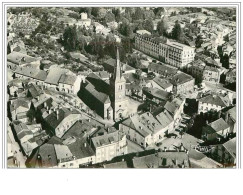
x: 117, y: 69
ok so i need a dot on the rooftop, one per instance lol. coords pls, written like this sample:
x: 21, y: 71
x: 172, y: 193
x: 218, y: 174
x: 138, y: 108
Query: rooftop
x: 20, y: 58
x: 215, y: 100
x: 180, y: 78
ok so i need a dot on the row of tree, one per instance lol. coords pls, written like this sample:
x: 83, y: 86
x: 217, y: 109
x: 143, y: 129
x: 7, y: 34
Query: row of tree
x: 99, y: 46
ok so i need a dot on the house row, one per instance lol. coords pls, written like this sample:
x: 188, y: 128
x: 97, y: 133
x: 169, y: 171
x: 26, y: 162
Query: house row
x: 151, y: 128
x: 200, y: 71
x: 180, y: 82
x: 56, y: 78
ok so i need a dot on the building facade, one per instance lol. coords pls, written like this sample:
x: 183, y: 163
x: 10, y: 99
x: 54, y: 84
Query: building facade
x: 173, y: 53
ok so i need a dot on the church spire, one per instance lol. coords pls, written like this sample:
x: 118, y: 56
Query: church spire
x: 117, y: 69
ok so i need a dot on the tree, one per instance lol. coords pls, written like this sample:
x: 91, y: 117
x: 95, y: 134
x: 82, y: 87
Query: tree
x: 138, y: 15
x: 95, y: 11
x: 70, y: 38
x: 96, y: 46
x: 198, y: 41
x: 162, y: 27
x: 226, y: 38
x: 148, y: 25
x: 225, y: 62
x: 109, y: 17
x: 157, y: 11
x: 148, y: 14
x: 125, y: 29
x: 177, y: 32
x: 117, y: 14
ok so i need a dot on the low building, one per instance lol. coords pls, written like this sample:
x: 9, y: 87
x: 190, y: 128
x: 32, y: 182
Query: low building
x: 182, y: 83
x: 212, y: 102
x: 230, y: 77
x: 230, y: 119
x: 162, y: 84
x: 225, y: 153
x: 211, y: 74
x: 22, y: 59
x: 164, y: 159
x: 216, y: 130
x: 163, y: 70
x: 110, y: 64
x: 19, y: 109
x: 155, y: 95
x: 109, y: 145
x: 200, y: 71
x: 145, y: 129
x: 36, y: 75
x: 57, y: 122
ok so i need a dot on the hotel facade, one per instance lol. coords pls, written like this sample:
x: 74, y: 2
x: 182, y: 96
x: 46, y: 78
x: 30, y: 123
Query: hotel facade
x: 173, y: 53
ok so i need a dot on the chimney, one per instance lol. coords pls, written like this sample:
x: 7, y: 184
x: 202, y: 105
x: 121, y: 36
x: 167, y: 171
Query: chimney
x: 165, y: 149
x: 57, y: 112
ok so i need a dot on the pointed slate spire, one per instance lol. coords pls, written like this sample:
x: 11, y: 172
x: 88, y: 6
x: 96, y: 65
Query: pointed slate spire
x: 117, y: 69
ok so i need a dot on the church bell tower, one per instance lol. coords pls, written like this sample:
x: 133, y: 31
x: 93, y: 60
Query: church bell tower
x: 118, y: 91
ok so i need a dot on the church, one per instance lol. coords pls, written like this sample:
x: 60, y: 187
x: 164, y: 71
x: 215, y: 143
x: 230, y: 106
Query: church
x: 106, y: 94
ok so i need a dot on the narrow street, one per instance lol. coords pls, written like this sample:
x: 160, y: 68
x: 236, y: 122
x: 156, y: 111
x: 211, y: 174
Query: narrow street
x: 18, y: 155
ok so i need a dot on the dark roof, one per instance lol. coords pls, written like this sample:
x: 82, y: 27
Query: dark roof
x: 34, y: 90
x: 121, y: 164
x: 162, y: 82
x: 180, y: 78
x: 55, y: 140
x: 157, y: 93
x: 163, y: 69
x: 19, y: 103
x: 52, y: 119
x: 215, y: 100
x: 80, y: 148
x: 102, y: 97
x: 162, y: 159
x: 230, y: 146
x: 218, y: 125
x: 67, y: 79
x: 106, y: 139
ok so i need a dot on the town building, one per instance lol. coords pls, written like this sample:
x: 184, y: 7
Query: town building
x: 170, y: 52
x: 146, y: 129
x: 22, y: 59
x: 109, y: 145
x: 230, y: 77
x: 182, y: 83
x: 161, y: 84
x: 156, y: 96
x: 200, y: 71
x: 59, y: 120
x: 215, y: 130
x: 212, y: 102
x: 225, y: 153
x: 163, y: 159
x: 162, y: 70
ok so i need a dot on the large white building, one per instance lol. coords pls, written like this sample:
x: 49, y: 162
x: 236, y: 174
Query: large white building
x: 170, y: 52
